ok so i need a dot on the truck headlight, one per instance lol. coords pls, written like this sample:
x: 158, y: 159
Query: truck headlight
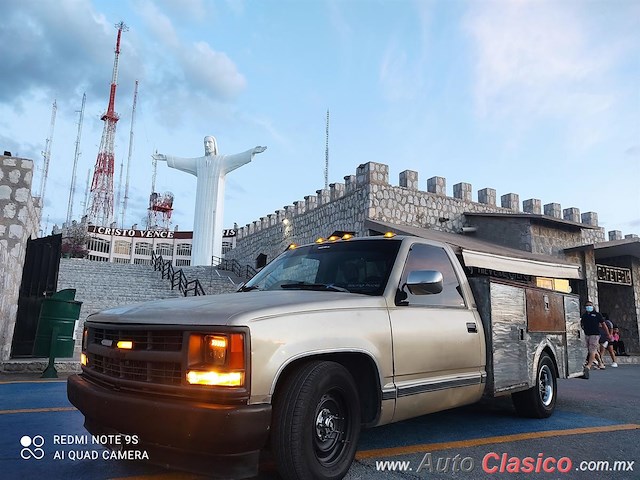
x: 216, y: 360
x: 85, y: 342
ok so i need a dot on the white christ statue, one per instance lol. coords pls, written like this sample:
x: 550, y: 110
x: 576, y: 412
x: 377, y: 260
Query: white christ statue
x: 210, y: 171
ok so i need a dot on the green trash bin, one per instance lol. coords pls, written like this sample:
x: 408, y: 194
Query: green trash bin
x: 59, y: 311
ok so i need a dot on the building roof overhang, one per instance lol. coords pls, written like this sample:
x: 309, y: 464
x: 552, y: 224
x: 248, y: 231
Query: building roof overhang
x: 536, y: 218
x: 627, y: 247
x: 482, y: 254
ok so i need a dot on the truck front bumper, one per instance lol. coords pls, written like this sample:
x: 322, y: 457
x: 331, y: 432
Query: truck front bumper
x: 223, y: 440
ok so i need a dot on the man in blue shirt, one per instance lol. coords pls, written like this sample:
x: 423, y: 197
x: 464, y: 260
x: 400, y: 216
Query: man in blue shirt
x: 591, y: 322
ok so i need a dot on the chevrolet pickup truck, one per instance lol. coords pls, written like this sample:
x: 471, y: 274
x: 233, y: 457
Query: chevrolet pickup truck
x: 328, y: 338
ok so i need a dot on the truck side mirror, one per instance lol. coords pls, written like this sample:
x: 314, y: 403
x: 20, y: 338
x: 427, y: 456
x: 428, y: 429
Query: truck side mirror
x: 424, y: 282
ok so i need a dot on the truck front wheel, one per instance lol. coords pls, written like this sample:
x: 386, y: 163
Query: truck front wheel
x: 316, y: 422
x: 540, y: 400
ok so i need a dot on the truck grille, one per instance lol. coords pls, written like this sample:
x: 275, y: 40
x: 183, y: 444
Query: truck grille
x: 154, y: 358
x: 160, y: 340
x: 164, y: 373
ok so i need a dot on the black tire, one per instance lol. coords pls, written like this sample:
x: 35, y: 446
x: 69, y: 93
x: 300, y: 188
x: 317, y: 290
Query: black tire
x: 316, y: 422
x: 540, y: 400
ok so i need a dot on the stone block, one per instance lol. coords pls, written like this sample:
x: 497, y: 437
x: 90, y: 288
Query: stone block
x: 532, y: 205
x: 349, y: 183
x: 487, y: 196
x: 510, y: 201
x: 409, y: 179
x: 14, y: 176
x: 437, y: 185
x: 590, y: 218
x: 463, y: 191
x: 16, y: 231
x: 310, y: 202
x: 9, y: 162
x: 323, y: 197
x: 615, y: 235
x: 5, y: 192
x: 22, y: 195
x: 553, y: 210
x: 336, y: 191
x: 9, y: 210
x: 372, y: 172
x: 572, y: 214
x: 298, y: 207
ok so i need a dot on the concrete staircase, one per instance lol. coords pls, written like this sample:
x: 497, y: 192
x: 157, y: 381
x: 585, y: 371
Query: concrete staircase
x: 213, y: 281
x: 102, y: 285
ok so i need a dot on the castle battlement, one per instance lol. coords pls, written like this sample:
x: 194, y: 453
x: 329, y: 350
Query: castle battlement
x: 405, y: 202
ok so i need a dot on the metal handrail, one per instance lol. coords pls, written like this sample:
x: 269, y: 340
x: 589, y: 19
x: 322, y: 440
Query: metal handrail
x: 234, y: 266
x: 176, y: 277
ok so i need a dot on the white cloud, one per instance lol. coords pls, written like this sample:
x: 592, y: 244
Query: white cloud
x: 211, y: 72
x: 538, y: 60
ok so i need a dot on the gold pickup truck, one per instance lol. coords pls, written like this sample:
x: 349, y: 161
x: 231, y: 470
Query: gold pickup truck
x: 327, y: 339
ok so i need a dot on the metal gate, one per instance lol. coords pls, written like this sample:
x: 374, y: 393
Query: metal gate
x: 39, y: 279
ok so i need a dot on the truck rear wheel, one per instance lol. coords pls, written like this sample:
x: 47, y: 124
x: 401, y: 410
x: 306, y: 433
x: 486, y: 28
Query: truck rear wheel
x: 540, y: 400
x: 316, y: 422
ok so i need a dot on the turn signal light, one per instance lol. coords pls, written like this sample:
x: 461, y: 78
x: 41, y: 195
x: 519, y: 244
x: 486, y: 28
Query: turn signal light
x: 215, y: 378
x: 125, y: 344
x: 83, y: 360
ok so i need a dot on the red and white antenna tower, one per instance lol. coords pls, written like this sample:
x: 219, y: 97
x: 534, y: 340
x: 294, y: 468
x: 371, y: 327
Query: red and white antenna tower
x: 101, y: 203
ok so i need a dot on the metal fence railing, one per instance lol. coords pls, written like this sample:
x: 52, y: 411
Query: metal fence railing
x: 176, y: 277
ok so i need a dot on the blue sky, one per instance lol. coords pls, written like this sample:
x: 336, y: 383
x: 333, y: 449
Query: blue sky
x: 539, y: 98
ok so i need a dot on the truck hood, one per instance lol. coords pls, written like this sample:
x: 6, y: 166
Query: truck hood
x: 234, y: 308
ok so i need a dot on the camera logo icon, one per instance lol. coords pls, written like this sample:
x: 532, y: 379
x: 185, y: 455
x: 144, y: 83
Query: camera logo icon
x: 32, y: 447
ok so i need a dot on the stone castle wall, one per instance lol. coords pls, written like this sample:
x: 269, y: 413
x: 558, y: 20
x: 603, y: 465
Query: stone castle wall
x: 368, y: 194
x: 19, y: 221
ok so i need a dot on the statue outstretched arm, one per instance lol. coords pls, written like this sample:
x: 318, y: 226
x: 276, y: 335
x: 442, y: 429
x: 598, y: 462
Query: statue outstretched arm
x: 188, y: 165
x: 231, y: 162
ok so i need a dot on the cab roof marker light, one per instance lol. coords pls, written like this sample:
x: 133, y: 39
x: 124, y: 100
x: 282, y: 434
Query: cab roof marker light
x: 333, y: 238
x: 293, y: 246
x: 320, y: 240
x: 347, y: 236
x: 389, y: 235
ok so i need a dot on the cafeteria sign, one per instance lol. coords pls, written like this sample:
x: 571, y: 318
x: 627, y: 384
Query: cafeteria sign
x: 617, y: 275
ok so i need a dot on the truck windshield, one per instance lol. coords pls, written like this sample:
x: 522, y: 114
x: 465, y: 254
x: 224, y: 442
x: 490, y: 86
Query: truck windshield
x: 360, y: 266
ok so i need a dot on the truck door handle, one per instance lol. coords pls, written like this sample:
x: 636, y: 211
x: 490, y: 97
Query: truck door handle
x: 472, y: 327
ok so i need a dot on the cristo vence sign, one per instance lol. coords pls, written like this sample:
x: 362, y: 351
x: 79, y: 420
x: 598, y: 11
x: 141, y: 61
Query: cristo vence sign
x: 123, y: 232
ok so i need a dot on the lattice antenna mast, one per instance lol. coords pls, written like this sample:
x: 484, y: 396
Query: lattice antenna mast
x: 72, y: 188
x: 47, y: 154
x: 126, y: 187
x: 101, y: 204
x: 326, y: 155
x: 85, y: 204
x: 151, y: 219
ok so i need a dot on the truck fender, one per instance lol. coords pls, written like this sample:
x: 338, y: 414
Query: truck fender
x: 339, y: 355
x: 552, y: 352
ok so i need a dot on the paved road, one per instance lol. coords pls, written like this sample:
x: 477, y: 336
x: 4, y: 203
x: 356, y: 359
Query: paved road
x: 596, y: 421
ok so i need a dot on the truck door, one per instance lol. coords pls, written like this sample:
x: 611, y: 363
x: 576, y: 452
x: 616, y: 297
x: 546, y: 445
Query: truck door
x: 438, y: 342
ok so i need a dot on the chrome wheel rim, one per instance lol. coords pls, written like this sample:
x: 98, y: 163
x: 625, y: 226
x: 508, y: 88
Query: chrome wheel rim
x: 546, y: 386
x: 330, y: 428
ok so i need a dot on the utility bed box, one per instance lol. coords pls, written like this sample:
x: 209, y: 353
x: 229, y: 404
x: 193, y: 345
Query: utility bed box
x: 519, y: 322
